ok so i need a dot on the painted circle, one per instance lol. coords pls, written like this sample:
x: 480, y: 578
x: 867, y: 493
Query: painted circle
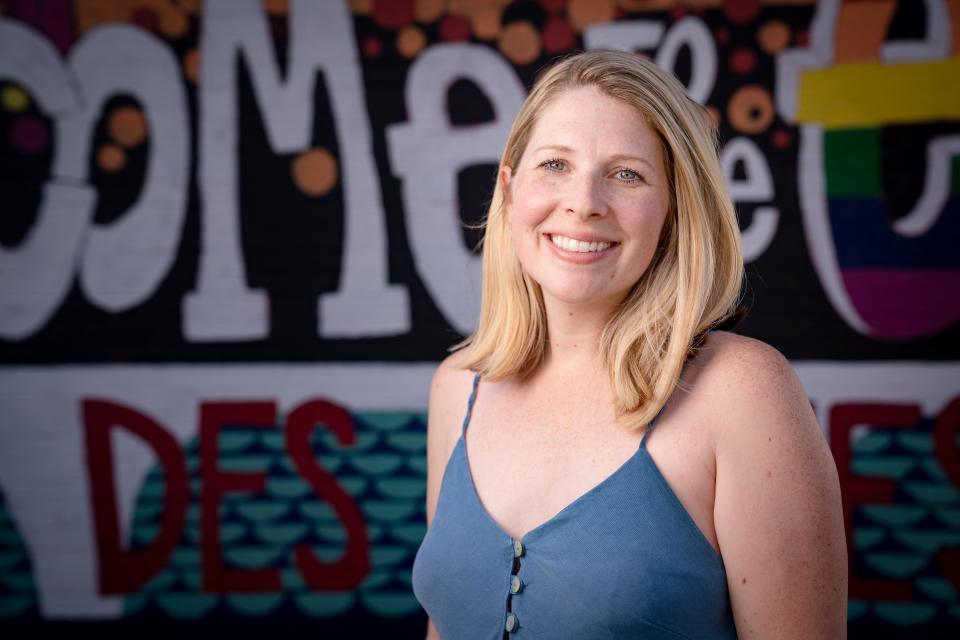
x: 583, y: 13
x: 145, y: 18
x: 519, y: 42
x: 14, y: 99
x: 393, y: 14
x: 127, y: 126
x: 750, y: 109
x: 173, y: 22
x: 29, y: 134
x: 643, y: 5
x: 780, y: 139
x: 315, y: 171
x: 427, y: 10
x: 467, y: 8
x: 111, y: 158
x: 454, y: 29
x: 361, y: 7
x: 372, y: 46
x: 743, y: 60
x: 774, y: 36
x: 410, y: 41
x: 486, y: 23
x: 553, y: 6
x: 190, y: 6
x: 191, y: 65
x: 558, y: 36
x: 276, y: 7
x: 741, y: 11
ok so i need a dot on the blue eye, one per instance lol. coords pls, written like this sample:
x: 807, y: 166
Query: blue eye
x: 628, y: 175
x: 554, y: 164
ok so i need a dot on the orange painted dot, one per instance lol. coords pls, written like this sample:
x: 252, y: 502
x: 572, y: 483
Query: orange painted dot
x: 583, y: 13
x: 646, y: 5
x: 427, y: 10
x: 111, y: 158
x: 191, y: 65
x: 173, y: 22
x: 774, y: 36
x: 750, y: 109
x: 190, y: 6
x: 315, y: 171
x: 361, y: 7
x: 127, y: 126
x: 467, y: 8
x: 486, y: 23
x: 276, y: 7
x: 519, y: 42
x: 410, y: 41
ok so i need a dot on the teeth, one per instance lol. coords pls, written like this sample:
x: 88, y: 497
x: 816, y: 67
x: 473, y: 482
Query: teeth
x: 578, y: 245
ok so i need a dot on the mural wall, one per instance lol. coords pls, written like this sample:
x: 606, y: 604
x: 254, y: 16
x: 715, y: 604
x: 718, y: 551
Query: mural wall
x: 232, y: 250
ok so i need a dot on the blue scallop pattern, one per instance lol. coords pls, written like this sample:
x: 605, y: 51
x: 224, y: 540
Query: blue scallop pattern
x: 384, y: 473
x: 901, y: 540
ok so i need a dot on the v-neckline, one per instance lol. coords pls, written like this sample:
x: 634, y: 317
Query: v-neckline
x: 462, y: 443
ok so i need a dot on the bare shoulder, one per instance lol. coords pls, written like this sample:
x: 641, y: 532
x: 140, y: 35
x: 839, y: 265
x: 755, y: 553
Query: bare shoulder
x: 743, y: 380
x: 449, y: 393
x: 777, y: 507
x: 450, y: 389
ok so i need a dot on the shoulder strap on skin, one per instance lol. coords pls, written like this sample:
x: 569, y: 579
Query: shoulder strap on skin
x: 473, y: 397
x: 643, y: 441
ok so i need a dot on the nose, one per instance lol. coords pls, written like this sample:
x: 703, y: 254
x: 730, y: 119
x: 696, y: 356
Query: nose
x: 584, y: 196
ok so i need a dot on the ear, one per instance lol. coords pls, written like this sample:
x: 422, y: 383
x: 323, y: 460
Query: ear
x: 504, y: 176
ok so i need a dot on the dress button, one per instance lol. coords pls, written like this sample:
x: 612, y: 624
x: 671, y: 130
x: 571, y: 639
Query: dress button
x: 517, y: 548
x: 515, y: 584
x: 512, y: 622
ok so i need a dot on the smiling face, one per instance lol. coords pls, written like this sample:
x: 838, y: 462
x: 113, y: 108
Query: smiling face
x: 588, y: 199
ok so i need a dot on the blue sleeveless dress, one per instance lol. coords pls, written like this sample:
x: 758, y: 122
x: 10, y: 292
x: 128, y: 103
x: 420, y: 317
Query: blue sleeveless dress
x: 624, y: 560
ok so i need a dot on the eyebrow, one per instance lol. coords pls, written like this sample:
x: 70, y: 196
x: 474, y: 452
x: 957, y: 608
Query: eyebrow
x: 619, y: 156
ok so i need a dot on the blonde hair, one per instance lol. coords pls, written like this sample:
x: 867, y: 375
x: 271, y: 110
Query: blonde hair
x: 693, y: 281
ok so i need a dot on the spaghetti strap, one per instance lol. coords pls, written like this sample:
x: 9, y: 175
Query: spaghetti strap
x: 643, y: 440
x: 473, y: 396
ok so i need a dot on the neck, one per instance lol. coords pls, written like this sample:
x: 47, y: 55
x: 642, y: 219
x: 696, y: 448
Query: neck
x: 574, y: 337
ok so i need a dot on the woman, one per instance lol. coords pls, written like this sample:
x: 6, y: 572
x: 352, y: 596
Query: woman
x: 611, y: 251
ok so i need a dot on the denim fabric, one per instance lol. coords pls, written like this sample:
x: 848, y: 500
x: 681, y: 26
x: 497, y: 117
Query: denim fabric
x: 624, y: 560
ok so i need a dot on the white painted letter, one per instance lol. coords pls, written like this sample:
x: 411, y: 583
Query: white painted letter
x: 756, y: 186
x: 36, y: 276
x: 428, y: 152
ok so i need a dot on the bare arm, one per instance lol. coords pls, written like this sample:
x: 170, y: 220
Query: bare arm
x: 777, y: 511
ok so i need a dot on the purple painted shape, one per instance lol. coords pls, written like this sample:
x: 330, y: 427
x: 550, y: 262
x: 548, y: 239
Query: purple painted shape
x: 53, y: 18
x: 904, y: 304
x: 29, y: 134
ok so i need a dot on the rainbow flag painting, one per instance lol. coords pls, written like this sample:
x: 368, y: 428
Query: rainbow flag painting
x: 868, y: 110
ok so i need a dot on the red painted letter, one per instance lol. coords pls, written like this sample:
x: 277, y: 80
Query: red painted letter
x: 123, y: 571
x: 858, y: 489
x: 348, y: 571
x: 945, y: 441
x: 213, y: 416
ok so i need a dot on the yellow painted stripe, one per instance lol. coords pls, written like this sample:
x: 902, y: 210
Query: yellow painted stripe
x: 872, y: 94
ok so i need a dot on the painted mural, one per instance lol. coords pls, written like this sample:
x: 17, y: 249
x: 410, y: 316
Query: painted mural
x: 235, y: 241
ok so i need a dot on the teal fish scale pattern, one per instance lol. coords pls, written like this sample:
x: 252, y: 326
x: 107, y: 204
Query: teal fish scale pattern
x: 384, y: 472
x: 900, y: 540
x: 18, y: 594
